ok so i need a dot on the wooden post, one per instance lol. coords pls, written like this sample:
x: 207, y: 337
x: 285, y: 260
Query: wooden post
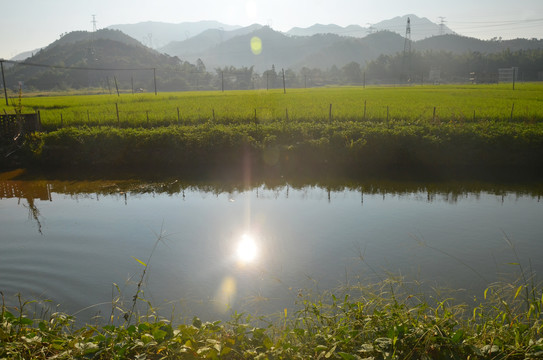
x: 284, y: 84
x: 330, y: 114
x: 286, y: 112
x: 108, y: 86
x: 116, y: 86
x: 512, y: 109
x: 387, y: 116
x: 154, y: 80
x: 4, y: 83
x: 178, y: 119
x: 434, y: 116
x: 365, y: 109
x: 117, y: 111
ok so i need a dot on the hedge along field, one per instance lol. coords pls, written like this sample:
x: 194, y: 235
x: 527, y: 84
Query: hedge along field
x: 475, y: 128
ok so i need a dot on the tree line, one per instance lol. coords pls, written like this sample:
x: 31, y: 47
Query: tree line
x: 174, y: 74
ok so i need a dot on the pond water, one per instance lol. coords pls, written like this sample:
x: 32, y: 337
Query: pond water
x: 213, y: 249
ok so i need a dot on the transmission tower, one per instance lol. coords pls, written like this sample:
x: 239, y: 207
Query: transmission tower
x: 407, y: 43
x: 442, y: 25
x: 407, y: 53
x: 91, y: 52
x: 93, y: 23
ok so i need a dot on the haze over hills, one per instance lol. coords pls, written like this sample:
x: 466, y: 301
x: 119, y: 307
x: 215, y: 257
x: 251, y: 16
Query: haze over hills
x: 204, y: 41
x: 421, y: 28
x: 214, y: 50
x: 159, y: 34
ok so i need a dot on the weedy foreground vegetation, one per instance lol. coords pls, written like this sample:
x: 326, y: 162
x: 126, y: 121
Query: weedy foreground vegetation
x: 366, y: 322
x: 417, y: 128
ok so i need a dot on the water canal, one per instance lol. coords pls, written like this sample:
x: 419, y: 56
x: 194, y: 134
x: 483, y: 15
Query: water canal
x: 256, y: 248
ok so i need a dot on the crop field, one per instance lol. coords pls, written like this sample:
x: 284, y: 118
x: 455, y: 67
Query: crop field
x: 413, y: 104
x: 429, y: 127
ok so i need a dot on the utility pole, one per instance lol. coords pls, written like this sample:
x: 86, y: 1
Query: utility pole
x: 4, y: 82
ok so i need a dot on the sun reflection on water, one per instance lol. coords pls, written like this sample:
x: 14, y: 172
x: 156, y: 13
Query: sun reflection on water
x: 247, y: 250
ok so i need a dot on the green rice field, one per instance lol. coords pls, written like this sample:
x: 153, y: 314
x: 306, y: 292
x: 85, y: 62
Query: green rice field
x: 415, y: 104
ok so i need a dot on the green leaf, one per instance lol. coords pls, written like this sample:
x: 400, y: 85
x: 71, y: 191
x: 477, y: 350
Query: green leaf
x: 25, y: 321
x: 138, y: 260
x: 457, y: 336
x: 518, y: 291
x: 329, y: 353
x: 346, y: 356
x: 159, y: 335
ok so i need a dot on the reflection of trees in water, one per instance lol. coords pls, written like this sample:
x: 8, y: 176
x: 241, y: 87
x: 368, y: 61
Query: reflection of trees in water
x: 33, y: 212
x: 30, y: 191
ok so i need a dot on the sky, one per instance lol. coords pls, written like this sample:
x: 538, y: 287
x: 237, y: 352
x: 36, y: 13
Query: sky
x: 30, y: 24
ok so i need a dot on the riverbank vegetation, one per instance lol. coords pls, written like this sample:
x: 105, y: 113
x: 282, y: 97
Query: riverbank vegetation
x: 387, y: 320
x: 435, y: 130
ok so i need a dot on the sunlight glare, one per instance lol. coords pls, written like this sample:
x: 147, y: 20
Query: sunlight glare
x: 247, y: 249
x: 256, y: 45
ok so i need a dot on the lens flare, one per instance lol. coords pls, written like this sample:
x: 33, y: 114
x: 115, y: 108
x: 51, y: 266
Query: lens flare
x: 256, y: 45
x: 247, y: 250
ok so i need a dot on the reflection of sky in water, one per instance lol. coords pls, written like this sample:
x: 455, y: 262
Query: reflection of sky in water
x: 302, y: 239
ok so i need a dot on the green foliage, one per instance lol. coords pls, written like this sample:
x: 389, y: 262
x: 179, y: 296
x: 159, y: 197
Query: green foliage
x: 382, y: 321
x: 467, y: 128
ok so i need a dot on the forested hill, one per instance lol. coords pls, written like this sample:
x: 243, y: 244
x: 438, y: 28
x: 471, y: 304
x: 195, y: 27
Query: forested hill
x: 461, y: 44
x: 323, y: 50
x: 104, y: 49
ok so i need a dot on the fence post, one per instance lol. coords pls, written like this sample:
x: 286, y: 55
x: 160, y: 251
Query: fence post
x: 117, y: 111
x: 116, y: 86
x: 330, y: 114
x: 178, y: 119
x: 284, y: 84
x: 387, y: 115
x: 512, y: 109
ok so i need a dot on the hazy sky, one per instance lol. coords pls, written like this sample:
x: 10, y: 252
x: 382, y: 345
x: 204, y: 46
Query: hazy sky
x: 30, y: 24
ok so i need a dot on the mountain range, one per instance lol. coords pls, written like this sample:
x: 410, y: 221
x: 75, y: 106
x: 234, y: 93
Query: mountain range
x: 221, y: 46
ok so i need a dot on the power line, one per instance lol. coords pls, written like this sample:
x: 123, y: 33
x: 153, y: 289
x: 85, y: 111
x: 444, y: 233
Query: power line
x: 74, y: 67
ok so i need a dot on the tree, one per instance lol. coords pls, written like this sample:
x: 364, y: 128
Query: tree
x: 352, y: 73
